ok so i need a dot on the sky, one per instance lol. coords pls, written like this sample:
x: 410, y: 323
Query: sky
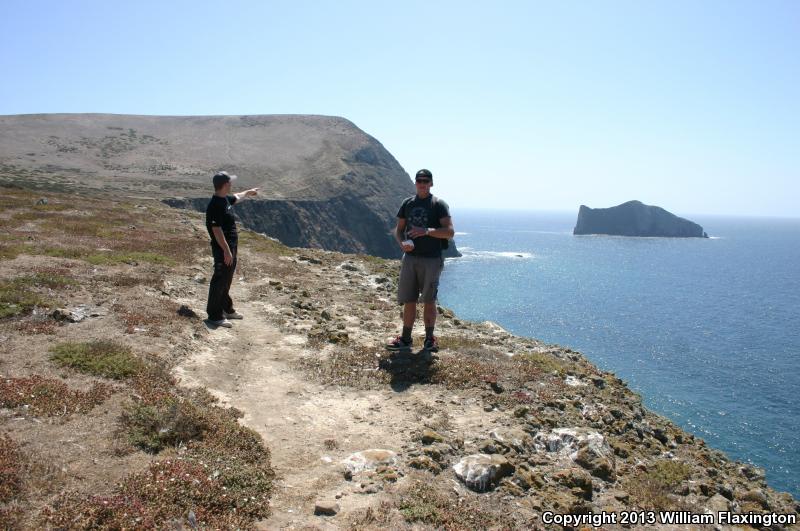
x: 692, y: 106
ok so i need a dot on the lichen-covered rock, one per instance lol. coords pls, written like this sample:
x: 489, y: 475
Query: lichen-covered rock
x: 423, y: 462
x: 513, y: 438
x: 430, y: 437
x: 599, y: 464
x: 481, y: 472
x: 577, y: 480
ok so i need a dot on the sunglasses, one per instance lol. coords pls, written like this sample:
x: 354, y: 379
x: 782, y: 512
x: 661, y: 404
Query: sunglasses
x: 424, y: 181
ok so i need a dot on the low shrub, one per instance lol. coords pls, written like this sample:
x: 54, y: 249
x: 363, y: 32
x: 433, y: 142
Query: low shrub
x: 653, y: 489
x: 108, y: 359
x: 420, y: 502
x: 10, y: 469
x: 49, y: 397
x: 17, y: 299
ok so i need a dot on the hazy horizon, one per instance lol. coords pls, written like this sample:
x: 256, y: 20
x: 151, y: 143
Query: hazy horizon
x: 533, y: 106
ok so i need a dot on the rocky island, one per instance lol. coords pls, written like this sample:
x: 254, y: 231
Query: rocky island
x: 634, y: 218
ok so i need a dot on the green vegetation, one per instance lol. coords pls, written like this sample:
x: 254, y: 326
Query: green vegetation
x: 9, y: 252
x: 153, y: 427
x: 223, y: 473
x: 48, y: 279
x: 105, y: 257
x: 100, y: 358
x: 76, y: 229
x: 130, y: 257
x: 18, y: 298
x: 532, y: 365
x: 670, y: 474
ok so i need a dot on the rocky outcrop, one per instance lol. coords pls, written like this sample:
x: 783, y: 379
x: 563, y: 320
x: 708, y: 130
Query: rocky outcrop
x: 634, y: 218
x: 324, y: 182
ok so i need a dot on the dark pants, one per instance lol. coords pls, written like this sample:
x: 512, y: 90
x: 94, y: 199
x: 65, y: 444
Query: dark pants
x: 219, y: 300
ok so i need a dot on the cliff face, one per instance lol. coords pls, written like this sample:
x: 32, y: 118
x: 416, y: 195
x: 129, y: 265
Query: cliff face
x: 634, y: 218
x: 341, y: 223
x: 324, y: 182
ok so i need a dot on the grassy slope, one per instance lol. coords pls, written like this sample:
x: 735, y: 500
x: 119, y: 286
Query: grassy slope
x: 130, y: 448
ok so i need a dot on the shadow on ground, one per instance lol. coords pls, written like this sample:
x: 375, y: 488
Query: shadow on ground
x: 408, y: 369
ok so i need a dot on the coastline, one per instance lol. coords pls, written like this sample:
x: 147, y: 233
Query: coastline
x: 541, y: 430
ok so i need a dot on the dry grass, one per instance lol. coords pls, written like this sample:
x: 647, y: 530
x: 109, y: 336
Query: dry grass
x: 36, y: 327
x: 463, y: 372
x: 355, y: 366
x: 11, y: 482
x: 654, y: 488
x: 10, y: 469
x: 258, y: 243
x: 421, y: 503
x: 157, y: 318
x: 130, y: 234
x: 221, y: 474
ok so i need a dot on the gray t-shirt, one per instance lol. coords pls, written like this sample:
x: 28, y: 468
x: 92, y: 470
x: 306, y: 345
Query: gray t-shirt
x: 424, y: 213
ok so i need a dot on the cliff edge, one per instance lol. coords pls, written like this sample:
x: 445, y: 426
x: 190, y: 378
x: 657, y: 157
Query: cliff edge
x: 120, y: 409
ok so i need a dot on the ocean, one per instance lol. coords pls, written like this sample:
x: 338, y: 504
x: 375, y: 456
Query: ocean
x: 706, y: 330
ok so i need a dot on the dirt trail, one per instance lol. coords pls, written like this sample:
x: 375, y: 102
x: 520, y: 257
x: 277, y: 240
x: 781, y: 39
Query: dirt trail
x: 251, y: 368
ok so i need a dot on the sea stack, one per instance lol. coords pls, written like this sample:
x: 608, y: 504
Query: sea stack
x: 634, y: 218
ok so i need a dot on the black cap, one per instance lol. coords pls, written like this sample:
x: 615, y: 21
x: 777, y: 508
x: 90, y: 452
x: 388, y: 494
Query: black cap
x: 222, y: 177
x: 424, y: 173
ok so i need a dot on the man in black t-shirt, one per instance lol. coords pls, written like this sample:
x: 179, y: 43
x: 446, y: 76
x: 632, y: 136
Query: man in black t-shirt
x: 423, y: 229
x: 221, y: 226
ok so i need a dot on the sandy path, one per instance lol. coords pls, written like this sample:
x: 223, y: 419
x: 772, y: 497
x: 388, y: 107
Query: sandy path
x: 250, y: 367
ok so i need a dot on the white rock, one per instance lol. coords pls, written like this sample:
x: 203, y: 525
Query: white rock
x: 369, y: 460
x: 481, y: 471
x: 573, y: 381
x: 567, y: 441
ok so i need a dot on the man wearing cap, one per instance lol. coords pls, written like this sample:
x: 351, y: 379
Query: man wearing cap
x: 221, y: 227
x: 423, y: 229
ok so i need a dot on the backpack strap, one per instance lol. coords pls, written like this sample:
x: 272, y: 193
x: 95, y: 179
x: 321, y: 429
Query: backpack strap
x: 434, y: 201
x: 406, y: 202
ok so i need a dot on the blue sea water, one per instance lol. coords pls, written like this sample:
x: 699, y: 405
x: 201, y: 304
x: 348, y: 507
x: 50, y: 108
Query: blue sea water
x: 706, y: 330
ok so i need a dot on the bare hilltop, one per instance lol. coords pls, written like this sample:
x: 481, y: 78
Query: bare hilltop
x: 324, y: 182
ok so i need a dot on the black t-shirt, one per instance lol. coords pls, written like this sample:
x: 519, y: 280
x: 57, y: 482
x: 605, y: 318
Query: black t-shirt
x: 218, y: 214
x: 423, y: 213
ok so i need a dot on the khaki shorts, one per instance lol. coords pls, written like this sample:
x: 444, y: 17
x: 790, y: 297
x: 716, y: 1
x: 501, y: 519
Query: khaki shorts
x: 419, y: 275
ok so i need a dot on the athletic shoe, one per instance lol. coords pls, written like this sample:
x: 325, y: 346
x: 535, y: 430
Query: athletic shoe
x: 222, y: 322
x: 398, y: 344
x: 431, y: 345
x: 233, y: 315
